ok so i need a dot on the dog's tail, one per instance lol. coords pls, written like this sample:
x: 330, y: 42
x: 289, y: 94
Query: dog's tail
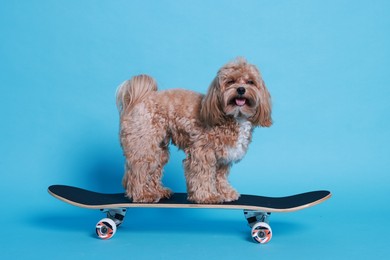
x: 132, y: 91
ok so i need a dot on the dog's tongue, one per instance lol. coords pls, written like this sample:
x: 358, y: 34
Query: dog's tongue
x: 240, y: 101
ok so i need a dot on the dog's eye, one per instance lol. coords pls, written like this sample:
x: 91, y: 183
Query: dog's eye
x: 250, y: 82
x: 231, y: 81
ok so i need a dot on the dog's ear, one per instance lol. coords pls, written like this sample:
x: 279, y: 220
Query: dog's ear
x: 262, y: 117
x: 211, y: 112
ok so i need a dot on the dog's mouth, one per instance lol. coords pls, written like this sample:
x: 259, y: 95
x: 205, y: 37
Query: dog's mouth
x: 240, y: 106
x: 240, y: 101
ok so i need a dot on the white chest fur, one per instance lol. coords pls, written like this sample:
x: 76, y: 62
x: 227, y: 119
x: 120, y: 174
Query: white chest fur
x: 237, y: 152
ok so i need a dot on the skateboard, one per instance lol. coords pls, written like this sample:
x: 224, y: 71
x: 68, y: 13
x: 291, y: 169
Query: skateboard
x: 257, y: 209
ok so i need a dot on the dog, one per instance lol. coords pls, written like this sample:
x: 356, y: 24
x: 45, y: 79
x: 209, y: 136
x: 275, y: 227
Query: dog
x: 214, y: 131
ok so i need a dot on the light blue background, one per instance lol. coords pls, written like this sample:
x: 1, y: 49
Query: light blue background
x: 326, y: 64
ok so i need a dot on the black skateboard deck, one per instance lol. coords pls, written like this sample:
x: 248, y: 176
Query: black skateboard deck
x: 257, y: 209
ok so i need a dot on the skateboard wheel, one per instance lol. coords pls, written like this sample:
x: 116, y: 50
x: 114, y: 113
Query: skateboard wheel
x: 261, y: 233
x: 105, y: 228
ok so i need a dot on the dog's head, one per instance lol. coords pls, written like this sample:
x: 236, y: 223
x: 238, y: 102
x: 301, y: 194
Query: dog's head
x: 237, y: 91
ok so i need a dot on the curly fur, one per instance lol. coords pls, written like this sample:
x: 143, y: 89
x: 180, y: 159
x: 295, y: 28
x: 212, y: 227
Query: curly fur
x: 214, y: 131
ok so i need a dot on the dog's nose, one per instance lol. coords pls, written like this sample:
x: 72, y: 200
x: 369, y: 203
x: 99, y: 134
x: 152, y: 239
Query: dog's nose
x: 241, y: 90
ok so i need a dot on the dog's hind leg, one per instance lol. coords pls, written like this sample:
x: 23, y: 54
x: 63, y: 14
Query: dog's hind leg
x: 162, y: 156
x: 144, y: 170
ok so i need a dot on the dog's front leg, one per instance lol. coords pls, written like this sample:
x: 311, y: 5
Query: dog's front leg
x: 227, y: 192
x: 200, y: 172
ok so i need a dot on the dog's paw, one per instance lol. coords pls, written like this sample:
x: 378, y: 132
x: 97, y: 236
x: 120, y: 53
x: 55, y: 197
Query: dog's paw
x: 146, y: 198
x: 228, y: 193
x: 230, y: 196
x: 206, y: 199
x: 165, y: 193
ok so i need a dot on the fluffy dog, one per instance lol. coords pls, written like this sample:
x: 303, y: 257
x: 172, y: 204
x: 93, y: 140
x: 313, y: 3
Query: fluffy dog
x: 214, y: 130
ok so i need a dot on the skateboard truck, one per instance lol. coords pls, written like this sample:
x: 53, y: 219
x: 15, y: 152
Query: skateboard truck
x: 259, y: 222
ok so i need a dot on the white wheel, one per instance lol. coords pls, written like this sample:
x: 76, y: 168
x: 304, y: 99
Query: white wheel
x: 105, y: 228
x: 261, y: 233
